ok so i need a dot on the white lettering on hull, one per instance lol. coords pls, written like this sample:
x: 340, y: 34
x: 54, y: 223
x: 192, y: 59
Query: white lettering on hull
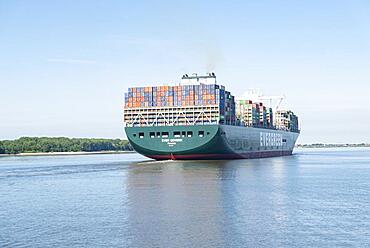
x: 171, y: 142
x: 270, y: 139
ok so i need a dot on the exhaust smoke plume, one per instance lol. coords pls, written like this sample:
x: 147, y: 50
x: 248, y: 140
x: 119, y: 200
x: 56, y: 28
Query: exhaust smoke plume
x: 213, y: 57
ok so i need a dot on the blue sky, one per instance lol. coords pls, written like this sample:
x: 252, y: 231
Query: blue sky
x: 65, y: 64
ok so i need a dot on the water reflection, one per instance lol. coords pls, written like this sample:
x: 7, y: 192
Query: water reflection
x: 174, y: 204
x: 206, y: 203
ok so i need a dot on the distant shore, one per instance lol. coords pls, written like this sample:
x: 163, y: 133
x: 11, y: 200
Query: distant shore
x: 319, y: 145
x: 63, y: 153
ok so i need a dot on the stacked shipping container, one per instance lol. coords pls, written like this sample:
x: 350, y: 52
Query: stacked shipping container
x: 183, y: 96
x: 252, y: 114
x: 227, y: 108
x: 263, y: 120
x: 270, y: 118
x: 287, y: 120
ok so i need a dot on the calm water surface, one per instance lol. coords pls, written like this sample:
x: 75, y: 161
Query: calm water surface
x: 316, y: 198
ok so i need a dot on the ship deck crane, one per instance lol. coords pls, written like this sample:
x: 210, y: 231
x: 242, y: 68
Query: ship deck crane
x: 257, y: 96
x: 271, y: 98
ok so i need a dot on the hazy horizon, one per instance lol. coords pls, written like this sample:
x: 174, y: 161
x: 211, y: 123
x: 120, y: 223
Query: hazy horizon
x: 66, y: 65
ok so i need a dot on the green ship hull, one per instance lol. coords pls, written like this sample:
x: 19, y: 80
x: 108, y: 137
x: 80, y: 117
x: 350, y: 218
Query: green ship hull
x: 210, y: 142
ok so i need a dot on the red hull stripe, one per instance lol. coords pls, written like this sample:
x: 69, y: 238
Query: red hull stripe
x: 222, y: 156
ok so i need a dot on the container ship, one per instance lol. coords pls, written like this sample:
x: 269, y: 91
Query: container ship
x: 199, y: 119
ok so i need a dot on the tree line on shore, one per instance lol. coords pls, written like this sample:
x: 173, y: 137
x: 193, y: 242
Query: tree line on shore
x: 322, y: 145
x: 62, y: 144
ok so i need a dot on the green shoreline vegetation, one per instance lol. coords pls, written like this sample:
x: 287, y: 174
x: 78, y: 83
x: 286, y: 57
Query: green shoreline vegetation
x: 62, y: 144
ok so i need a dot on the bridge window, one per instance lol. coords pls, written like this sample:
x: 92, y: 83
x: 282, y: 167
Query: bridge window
x: 201, y: 133
x: 177, y: 134
x: 183, y: 133
x: 141, y: 135
x: 164, y: 134
x: 158, y: 134
x: 284, y: 140
x: 134, y: 134
x: 189, y: 134
x: 152, y: 134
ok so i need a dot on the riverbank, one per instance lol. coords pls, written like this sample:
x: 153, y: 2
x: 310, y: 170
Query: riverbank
x: 61, y: 144
x: 320, y: 145
x: 64, y: 153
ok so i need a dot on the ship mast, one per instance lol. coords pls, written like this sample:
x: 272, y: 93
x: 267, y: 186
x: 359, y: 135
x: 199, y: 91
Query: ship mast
x: 210, y: 78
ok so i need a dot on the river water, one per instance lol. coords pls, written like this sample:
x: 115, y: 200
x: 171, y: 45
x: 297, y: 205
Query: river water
x: 315, y: 198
